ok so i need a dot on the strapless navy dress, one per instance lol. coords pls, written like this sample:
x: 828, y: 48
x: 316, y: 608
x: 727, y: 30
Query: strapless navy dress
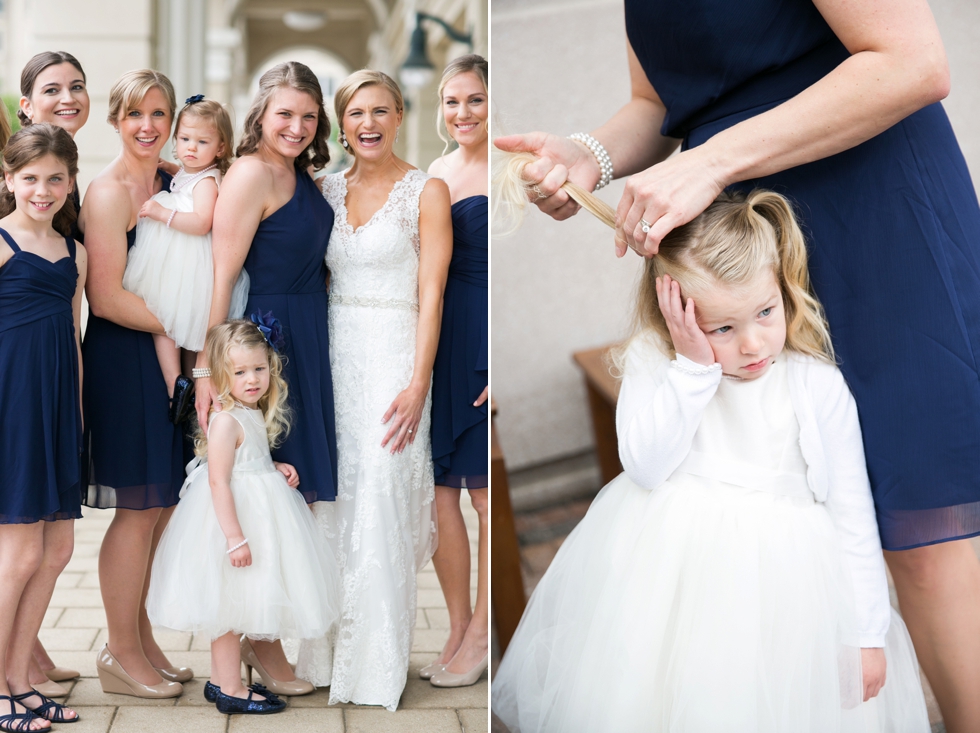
x: 134, y: 455
x: 893, y: 227
x: 460, y: 372
x: 289, y: 277
x: 41, y: 424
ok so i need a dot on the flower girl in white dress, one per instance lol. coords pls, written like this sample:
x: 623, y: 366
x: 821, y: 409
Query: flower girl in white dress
x: 242, y: 553
x: 170, y: 264
x: 731, y: 579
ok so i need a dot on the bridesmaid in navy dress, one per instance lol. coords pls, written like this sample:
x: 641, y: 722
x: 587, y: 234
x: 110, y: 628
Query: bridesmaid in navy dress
x: 42, y: 273
x: 135, y: 455
x: 834, y: 105
x: 54, y: 90
x: 460, y: 376
x: 272, y: 219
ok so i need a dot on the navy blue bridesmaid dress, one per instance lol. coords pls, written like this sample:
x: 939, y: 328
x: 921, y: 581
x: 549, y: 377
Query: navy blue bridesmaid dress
x: 893, y: 228
x: 134, y: 454
x: 289, y: 277
x: 41, y: 428
x: 460, y: 372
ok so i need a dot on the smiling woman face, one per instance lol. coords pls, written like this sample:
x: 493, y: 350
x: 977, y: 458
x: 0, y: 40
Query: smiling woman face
x: 144, y: 129
x: 371, y: 121
x: 59, y: 96
x: 465, y: 109
x: 289, y: 122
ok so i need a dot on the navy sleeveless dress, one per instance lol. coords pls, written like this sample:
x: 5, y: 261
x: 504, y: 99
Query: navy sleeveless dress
x: 893, y: 227
x: 41, y: 428
x: 134, y: 454
x: 460, y: 372
x: 289, y: 277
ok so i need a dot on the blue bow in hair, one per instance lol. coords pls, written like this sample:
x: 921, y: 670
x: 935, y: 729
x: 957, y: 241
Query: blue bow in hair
x: 271, y: 328
x: 194, y: 99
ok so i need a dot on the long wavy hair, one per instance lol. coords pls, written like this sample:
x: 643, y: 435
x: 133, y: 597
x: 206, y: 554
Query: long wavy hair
x: 218, y: 345
x: 300, y: 77
x: 32, y: 143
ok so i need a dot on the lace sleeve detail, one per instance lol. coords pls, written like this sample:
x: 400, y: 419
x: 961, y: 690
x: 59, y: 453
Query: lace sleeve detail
x: 333, y: 189
x: 405, y: 203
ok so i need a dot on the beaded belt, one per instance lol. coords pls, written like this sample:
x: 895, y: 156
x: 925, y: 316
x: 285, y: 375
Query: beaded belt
x: 373, y: 302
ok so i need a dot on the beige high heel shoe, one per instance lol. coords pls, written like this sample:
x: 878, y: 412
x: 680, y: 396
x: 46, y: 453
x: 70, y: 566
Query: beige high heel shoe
x: 279, y: 687
x: 429, y: 670
x: 59, y: 674
x: 51, y: 689
x: 115, y: 679
x: 451, y: 679
x: 176, y: 674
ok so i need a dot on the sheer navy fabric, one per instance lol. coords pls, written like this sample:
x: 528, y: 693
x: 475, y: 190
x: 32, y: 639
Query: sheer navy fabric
x: 289, y: 277
x: 894, y: 232
x: 460, y: 372
x: 134, y: 455
x: 41, y: 428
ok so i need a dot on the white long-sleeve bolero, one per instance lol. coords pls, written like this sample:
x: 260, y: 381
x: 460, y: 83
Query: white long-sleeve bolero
x: 660, y: 407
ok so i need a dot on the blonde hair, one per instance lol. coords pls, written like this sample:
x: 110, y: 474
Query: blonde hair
x: 215, y: 114
x: 732, y: 242
x: 299, y: 77
x: 218, y: 345
x: 357, y: 81
x: 470, y: 63
x: 132, y: 87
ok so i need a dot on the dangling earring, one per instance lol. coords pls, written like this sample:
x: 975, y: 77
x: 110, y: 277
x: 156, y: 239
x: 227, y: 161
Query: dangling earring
x: 397, y: 130
x: 343, y: 139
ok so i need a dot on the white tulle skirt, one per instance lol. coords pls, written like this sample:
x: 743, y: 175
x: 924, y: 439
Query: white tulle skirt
x: 174, y: 275
x: 699, y: 609
x: 292, y: 587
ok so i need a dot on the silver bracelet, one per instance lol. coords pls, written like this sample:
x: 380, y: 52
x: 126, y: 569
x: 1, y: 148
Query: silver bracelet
x: 201, y: 372
x: 240, y: 544
x: 601, y: 157
x: 173, y: 213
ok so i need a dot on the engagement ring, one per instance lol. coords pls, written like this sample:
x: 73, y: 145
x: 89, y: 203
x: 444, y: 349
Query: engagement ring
x: 645, y: 226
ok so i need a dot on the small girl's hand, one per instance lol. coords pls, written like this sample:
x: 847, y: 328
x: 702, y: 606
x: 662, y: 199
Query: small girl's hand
x: 689, y: 340
x: 242, y: 557
x: 153, y: 210
x: 292, y: 478
x: 873, y: 670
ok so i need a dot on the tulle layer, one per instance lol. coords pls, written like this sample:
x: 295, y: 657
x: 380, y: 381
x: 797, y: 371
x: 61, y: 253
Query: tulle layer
x: 292, y: 587
x: 696, y: 608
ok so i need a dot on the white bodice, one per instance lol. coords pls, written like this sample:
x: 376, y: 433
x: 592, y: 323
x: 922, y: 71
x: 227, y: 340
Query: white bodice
x: 378, y: 263
x: 181, y: 194
x: 252, y: 456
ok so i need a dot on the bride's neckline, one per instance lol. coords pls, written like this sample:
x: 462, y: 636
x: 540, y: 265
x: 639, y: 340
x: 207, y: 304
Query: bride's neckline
x: 343, y: 201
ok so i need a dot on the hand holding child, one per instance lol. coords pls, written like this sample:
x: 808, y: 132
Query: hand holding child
x: 292, y: 477
x: 154, y: 210
x: 240, y: 557
x: 873, y: 671
x: 689, y: 340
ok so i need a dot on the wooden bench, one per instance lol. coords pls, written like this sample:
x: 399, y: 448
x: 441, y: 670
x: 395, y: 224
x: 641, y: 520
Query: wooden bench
x: 505, y: 571
x: 603, y: 391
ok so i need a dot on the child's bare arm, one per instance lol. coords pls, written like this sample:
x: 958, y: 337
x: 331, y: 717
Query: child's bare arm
x: 197, y: 222
x: 224, y: 435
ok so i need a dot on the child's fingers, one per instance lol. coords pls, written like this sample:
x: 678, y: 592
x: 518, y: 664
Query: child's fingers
x: 690, y: 319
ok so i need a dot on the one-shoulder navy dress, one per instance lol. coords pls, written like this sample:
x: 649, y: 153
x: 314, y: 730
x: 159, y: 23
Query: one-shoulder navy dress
x: 894, y: 233
x: 134, y: 454
x: 289, y: 277
x: 41, y: 427
x: 459, y: 375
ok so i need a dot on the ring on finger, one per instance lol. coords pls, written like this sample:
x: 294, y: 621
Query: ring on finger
x: 409, y: 431
x: 538, y: 193
x: 645, y: 226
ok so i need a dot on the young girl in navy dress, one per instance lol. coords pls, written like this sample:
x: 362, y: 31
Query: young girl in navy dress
x: 732, y: 577
x: 170, y: 267
x: 42, y: 273
x: 242, y: 554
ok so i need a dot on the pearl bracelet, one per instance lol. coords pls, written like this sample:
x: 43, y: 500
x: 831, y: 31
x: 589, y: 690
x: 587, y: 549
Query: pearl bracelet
x: 601, y: 157
x: 173, y: 213
x: 240, y: 544
x: 201, y: 372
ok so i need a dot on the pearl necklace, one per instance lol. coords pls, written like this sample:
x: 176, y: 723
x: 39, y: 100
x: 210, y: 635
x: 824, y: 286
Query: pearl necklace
x: 175, y: 187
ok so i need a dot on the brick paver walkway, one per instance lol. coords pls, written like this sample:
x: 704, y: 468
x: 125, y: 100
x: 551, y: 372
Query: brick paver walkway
x: 74, y: 629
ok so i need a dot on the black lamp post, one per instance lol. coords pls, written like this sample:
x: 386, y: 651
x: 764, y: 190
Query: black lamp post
x: 417, y: 71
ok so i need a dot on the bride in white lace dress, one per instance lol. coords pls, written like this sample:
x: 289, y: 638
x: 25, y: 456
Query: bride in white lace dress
x: 388, y: 258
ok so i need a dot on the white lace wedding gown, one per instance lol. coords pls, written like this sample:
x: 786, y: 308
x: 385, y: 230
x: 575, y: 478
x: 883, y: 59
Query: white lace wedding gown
x: 381, y: 527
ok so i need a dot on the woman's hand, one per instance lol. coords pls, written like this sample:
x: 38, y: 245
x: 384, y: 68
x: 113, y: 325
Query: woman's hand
x: 167, y: 167
x: 689, y: 340
x: 406, y: 409
x: 154, y: 210
x: 484, y: 396
x: 292, y: 477
x: 204, y: 397
x: 665, y: 196
x: 242, y: 557
x: 559, y: 160
x: 873, y: 670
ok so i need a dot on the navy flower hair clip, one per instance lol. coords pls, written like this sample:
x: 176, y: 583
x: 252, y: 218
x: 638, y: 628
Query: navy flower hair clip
x: 195, y: 99
x: 271, y: 328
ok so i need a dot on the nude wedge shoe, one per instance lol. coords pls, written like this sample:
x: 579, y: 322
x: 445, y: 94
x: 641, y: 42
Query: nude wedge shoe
x: 115, y: 679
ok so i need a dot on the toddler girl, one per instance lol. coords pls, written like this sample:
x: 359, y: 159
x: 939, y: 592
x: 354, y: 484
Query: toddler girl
x: 731, y: 579
x: 170, y: 265
x: 242, y: 554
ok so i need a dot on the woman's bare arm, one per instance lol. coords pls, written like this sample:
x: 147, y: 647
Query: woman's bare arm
x: 81, y: 263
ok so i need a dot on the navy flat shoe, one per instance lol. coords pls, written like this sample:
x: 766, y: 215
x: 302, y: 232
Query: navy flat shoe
x: 211, y: 691
x: 235, y: 705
